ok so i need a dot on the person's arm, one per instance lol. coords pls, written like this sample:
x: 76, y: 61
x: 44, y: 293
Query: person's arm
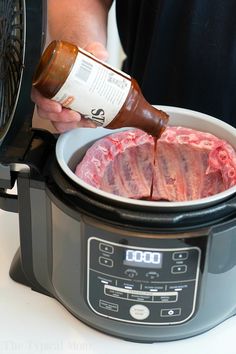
x: 84, y: 23
x: 79, y: 21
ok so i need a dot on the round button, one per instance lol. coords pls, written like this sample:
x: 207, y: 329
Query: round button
x: 139, y: 312
x: 131, y: 273
x: 170, y: 312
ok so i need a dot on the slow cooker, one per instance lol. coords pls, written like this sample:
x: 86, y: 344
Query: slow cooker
x: 138, y: 270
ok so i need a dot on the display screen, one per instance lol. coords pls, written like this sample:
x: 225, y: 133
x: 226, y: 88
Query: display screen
x: 145, y: 259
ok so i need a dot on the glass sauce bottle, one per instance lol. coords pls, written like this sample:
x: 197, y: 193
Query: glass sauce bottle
x: 107, y: 96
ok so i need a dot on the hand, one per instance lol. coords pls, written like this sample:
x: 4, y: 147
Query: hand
x: 64, y: 119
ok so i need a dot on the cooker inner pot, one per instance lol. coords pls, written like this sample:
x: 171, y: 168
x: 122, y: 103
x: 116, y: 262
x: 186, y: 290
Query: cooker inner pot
x: 71, y: 147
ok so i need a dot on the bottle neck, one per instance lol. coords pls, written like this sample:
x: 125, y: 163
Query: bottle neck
x: 138, y: 113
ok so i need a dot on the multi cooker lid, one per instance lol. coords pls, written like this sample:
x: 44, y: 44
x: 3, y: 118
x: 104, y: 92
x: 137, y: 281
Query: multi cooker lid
x: 21, y: 40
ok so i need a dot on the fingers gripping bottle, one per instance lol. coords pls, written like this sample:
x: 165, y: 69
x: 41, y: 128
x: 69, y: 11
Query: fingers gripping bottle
x: 107, y: 96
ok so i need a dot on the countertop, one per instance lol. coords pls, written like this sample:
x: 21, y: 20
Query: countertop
x: 34, y: 323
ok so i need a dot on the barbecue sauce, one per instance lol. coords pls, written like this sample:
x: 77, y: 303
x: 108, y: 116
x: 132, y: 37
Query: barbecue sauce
x: 107, y: 96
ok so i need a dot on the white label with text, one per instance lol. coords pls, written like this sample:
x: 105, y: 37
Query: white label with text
x: 95, y: 90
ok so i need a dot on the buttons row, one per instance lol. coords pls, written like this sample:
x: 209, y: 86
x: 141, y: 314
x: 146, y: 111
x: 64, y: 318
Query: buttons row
x: 145, y: 287
x: 177, y: 256
x: 140, y: 312
x: 132, y: 273
x: 143, y: 296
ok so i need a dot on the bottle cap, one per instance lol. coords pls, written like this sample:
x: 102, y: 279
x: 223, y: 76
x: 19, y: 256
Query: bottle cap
x: 54, y: 67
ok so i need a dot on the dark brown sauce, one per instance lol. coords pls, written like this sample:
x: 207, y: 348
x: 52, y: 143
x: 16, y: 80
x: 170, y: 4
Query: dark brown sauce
x: 155, y: 138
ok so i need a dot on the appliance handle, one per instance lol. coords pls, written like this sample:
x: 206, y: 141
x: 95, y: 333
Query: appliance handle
x: 8, y: 202
x: 8, y: 177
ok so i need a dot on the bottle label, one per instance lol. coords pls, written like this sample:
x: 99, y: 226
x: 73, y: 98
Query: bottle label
x: 95, y: 90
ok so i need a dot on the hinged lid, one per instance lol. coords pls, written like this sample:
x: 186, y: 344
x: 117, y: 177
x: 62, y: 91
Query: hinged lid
x: 22, y: 32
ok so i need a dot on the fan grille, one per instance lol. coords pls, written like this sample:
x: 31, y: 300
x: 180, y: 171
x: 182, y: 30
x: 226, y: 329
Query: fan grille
x: 12, y: 33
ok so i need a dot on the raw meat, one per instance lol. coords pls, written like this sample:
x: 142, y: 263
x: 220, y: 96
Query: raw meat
x: 184, y: 165
x: 122, y: 164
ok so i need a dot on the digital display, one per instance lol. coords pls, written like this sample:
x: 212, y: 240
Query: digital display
x: 145, y: 259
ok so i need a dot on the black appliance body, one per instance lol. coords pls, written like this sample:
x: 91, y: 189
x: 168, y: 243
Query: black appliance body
x: 142, y: 271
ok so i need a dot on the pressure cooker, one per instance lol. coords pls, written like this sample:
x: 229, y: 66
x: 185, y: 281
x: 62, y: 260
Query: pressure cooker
x: 139, y: 270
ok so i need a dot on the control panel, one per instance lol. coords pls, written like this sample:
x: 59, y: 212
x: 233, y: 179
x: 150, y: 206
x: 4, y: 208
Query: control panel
x: 142, y: 285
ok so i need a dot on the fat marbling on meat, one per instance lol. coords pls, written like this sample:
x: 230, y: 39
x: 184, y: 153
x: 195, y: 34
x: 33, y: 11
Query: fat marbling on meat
x: 185, y: 164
